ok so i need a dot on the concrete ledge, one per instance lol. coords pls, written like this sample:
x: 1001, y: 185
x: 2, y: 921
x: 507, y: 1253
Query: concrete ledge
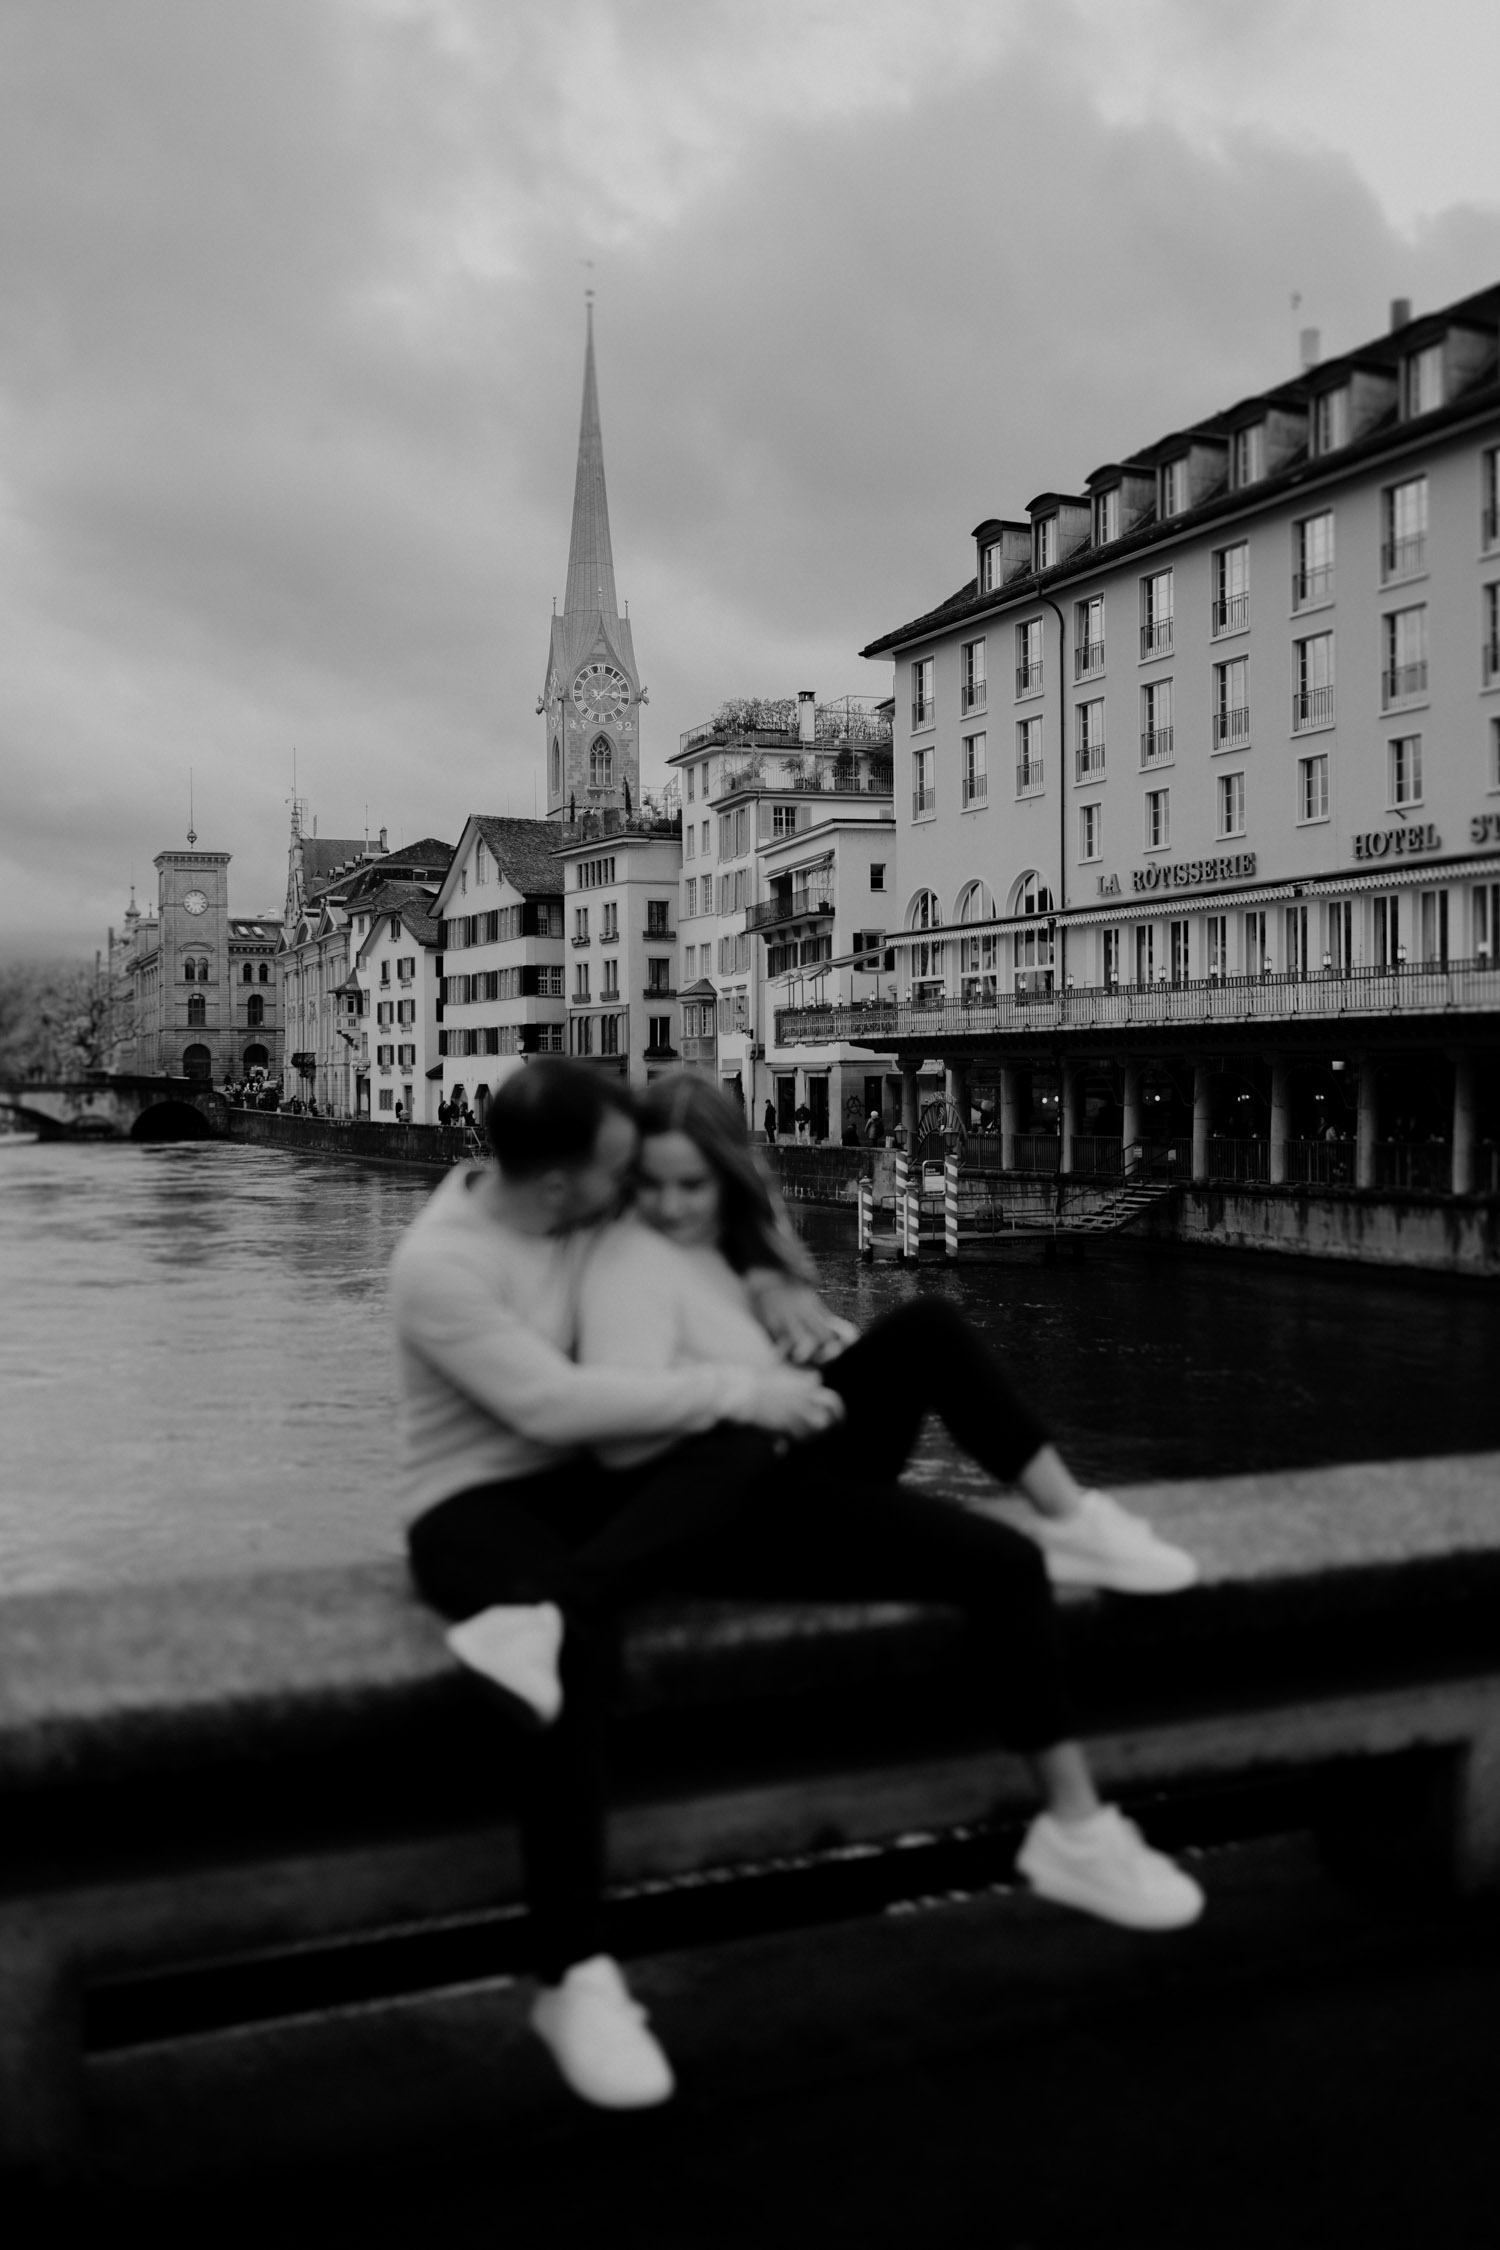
x: 362, y: 1137
x: 1429, y: 1233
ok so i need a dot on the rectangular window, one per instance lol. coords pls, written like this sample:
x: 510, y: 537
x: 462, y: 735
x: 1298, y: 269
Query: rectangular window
x: 741, y: 831
x: 1249, y: 455
x: 1231, y: 711
x: 923, y: 674
x: 1106, y: 516
x: 610, y: 978
x: 705, y: 835
x: 1312, y: 696
x: 1405, y: 770
x: 1216, y: 945
x: 658, y: 1035
x: 1338, y: 936
x: 580, y: 925
x: 877, y: 874
x: 1088, y: 637
x: 1403, y: 546
x: 1090, y: 831
x: 1432, y: 929
x: 406, y: 1057
x: 1028, y: 757
x: 609, y: 1035
x: 1486, y: 911
x: 1145, y: 953
x: 1173, y: 487
x: 1257, y: 953
x: 1177, y: 943
x: 726, y: 835
x: 549, y: 980
x: 609, y: 917
x: 1489, y: 498
x: 595, y: 874
x: 690, y: 898
x: 1490, y: 651
x: 385, y: 1097
x: 975, y: 772
x: 581, y: 980
x: 1231, y: 799
x: 1330, y: 419
x: 1156, y: 614
x: 481, y: 863
x: 658, y: 976
x: 406, y: 1011
x: 1109, y: 958
x: 923, y: 783
x: 1494, y: 778
x: 1230, y: 609
x: 1158, y: 820
x: 1404, y: 678
x: 1312, y: 560
x: 1156, y: 724
x: 971, y: 674
x: 783, y: 820
x: 583, y: 1035
x: 1089, y: 735
x: 1045, y: 543
x: 658, y: 917
x: 1296, y: 954
x: 1029, y: 657
x: 385, y: 1056
x: 1424, y: 381
x: 1312, y: 788
x: 689, y: 963
x: 1385, y: 932
x: 989, y: 568
x: 690, y: 772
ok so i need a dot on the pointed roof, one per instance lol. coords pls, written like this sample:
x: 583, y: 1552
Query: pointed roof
x: 591, y: 564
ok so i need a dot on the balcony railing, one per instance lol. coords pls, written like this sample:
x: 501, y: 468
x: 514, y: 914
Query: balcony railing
x: 971, y: 695
x: 1231, y: 725
x: 1088, y: 658
x: 652, y: 992
x: 1029, y: 678
x: 922, y: 710
x: 1403, y: 558
x: 1464, y: 987
x: 851, y: 723
x: 1156, y: 638
x: 1231, y: 615
x: 1156, y: 746
x: 1029, y: 777
x: 1088, y: 760
x: 1312, y: 707
x: 796, y: 906
x: 661, y: 936
x: 976, y: 787
x: 923, y: 801
x: 1400, y: 683
x: 834, y: 776
x: 1310, y: 586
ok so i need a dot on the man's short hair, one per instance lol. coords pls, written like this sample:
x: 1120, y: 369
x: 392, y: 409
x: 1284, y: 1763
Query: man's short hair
x: 549, y: 1114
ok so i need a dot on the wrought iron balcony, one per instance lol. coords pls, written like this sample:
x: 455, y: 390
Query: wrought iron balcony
x: 1156, y: 638
x: 1156, y: 747
x: 1334, y: 995
x: 1312, y: 586
x: 796, y: 906
x: 972, y: 695
x: 657, y: 992
x: 1312, y: 707
x: 1231, y: 615
x: 1404, y: 558
x: 976, y: 787
x: 1029, y: 777
x: 1231, y: 726
x: 1088, y: 658
x: 1029, y: 679
x: 1402, y: 683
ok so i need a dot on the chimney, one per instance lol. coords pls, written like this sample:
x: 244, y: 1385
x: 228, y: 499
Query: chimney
x: 1400, y: 312
x: 1310, y: 344
x: 807, y: 716
x: 385, y: 847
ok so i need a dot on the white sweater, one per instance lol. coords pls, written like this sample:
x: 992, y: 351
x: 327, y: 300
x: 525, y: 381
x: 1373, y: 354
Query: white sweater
x: 485, y: 1319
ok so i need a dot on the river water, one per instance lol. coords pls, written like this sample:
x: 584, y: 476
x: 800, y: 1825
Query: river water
x: 195, y: 1375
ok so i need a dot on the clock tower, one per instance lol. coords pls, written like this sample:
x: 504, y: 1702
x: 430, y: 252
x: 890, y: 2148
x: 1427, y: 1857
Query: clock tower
x: 591, y: 701
x: 194, y: 1003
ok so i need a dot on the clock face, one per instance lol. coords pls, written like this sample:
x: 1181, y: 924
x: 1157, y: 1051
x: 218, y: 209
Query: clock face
x: 601, y: 692
x: 196, y: 902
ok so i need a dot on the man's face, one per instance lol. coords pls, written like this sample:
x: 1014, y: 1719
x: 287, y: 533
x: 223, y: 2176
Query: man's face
x: 593, y: 1190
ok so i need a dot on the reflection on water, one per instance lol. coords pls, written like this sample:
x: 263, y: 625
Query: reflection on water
x: 195, y: 1371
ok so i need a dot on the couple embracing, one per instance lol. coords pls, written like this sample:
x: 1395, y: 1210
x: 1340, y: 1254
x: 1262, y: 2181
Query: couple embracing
x: 617, y: 1381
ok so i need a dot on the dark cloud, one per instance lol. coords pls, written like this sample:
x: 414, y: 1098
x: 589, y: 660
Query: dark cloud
x: 290, y: 351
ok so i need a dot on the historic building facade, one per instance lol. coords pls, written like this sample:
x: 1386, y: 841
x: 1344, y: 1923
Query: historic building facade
x: 193, y: 988
x: 1199, y: 832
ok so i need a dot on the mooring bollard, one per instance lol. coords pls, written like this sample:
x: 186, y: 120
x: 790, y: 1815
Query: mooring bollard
x: 866, y: 1205
x: 950, y: 1206
x: 902, y: 1212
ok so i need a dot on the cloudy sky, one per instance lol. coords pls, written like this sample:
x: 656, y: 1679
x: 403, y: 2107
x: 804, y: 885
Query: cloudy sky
x: 291, y: 332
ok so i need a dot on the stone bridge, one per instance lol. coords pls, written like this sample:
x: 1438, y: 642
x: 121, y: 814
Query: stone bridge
x: 103, y: 1107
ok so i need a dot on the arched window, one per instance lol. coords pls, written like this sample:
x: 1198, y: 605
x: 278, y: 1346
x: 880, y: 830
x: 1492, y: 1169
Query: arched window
x: 197, y: 1062
x: 197, y: 1008
x: 256, y: 1058
x: 1033, y: 947
x: 556, y: 767
x: 926, y: 913
x: 189, y: 970
x: 255, y: 1009
x: 978, y: 957
x: 601, y: 763
x: 247, y: 974
x: 265, y: 972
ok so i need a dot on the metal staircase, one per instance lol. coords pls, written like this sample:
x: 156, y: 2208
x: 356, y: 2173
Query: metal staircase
x: 1118, y: 1210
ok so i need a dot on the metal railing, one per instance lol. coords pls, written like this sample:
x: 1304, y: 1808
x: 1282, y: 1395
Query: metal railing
x: 971, y: 695
x: 1310, y: 586
x: 1088, y: 760
x: 923, y: 801
x: 1156, y: 638
x: 795, y: 907
x: 1156, y: 747
x: 1029, y: 678
x: 827, y: 775
x: 975, y: 786
x: 923, y: 710
x: 1400, y: 682
x: 1424, y: 1165
x: 651, y: 992
x: 1231, y: 725
x: 1088, y: 658
x: 1029, y: 777
x: 1230, y: 615
x: 1403, y: 558
x: 1233, y: 1159
x: 1463, y: 988
x: 1312, y: 707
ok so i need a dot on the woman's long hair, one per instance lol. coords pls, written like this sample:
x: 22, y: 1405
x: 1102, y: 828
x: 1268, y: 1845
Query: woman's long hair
x: 753, y: 1228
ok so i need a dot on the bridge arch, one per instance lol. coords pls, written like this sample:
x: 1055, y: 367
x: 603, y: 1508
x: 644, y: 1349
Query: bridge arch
x: 171, y: 1121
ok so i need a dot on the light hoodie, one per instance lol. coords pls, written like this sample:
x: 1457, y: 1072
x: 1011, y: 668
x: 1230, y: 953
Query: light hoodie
x: 485, y: 1321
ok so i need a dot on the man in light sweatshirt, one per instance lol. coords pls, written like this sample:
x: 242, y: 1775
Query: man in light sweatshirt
x: 521, y: 1538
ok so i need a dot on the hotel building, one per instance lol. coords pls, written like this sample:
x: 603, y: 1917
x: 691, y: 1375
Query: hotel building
x: 1198, y: 838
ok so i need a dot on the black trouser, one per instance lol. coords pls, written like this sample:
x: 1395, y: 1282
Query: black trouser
x: 738, y: 1513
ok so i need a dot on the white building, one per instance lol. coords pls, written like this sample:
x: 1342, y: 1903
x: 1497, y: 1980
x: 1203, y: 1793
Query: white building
x: 500, y: 910
x: 396, y: 974
x: 621, y: 900
x: 821, y: 926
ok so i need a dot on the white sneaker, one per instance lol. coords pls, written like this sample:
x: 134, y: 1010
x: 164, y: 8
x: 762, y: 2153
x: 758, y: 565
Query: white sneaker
x: 1104, y: 1866
x: 1103, y: 1544
x: 598, y: 2039
x: 515, y: 1646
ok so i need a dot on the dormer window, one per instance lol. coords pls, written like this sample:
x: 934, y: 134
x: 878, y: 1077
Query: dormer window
x: 1174, y: 486
x: 1249, y: 454
x: 989, y: 567
x: 1331, y: 420
x: 1046, y: 543
x: 1106, y: 516
x: 1424, y: 381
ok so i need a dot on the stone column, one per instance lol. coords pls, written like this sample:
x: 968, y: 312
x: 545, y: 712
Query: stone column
x: 1465, y: 1122
x: 909, y: 1105
x: 1200, y: 1121
x: 1369, y: 1122
x: 1009, y: 1105
x: 1071, y: 1075
x: 1281, y: 1096
x: 1130, y: 1109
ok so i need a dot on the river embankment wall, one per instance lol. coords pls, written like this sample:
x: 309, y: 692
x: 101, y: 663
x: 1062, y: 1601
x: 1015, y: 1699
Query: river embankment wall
x: 362, y: 1137
x: 1426, y: 1233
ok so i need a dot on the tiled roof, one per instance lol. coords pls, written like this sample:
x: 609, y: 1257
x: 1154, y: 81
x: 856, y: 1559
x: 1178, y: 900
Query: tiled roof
x: 524, y: 851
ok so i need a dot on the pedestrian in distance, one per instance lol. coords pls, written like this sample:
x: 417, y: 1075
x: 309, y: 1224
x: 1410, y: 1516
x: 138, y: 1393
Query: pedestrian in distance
x: 874, y: 1130
x: 769, y: 1122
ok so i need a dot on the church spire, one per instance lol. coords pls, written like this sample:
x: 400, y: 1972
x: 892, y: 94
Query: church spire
x: 591, y: 567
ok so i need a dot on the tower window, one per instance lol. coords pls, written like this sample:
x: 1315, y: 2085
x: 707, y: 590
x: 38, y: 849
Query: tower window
x: 247, y: 974
x: 197, y: 1008
x: 556, y: 767
x: 601, y: 763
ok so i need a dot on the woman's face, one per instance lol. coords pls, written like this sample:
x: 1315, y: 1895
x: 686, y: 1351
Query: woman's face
x: 677, y: 1190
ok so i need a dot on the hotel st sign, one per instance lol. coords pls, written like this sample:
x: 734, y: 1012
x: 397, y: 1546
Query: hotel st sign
x: 1385, y: 843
